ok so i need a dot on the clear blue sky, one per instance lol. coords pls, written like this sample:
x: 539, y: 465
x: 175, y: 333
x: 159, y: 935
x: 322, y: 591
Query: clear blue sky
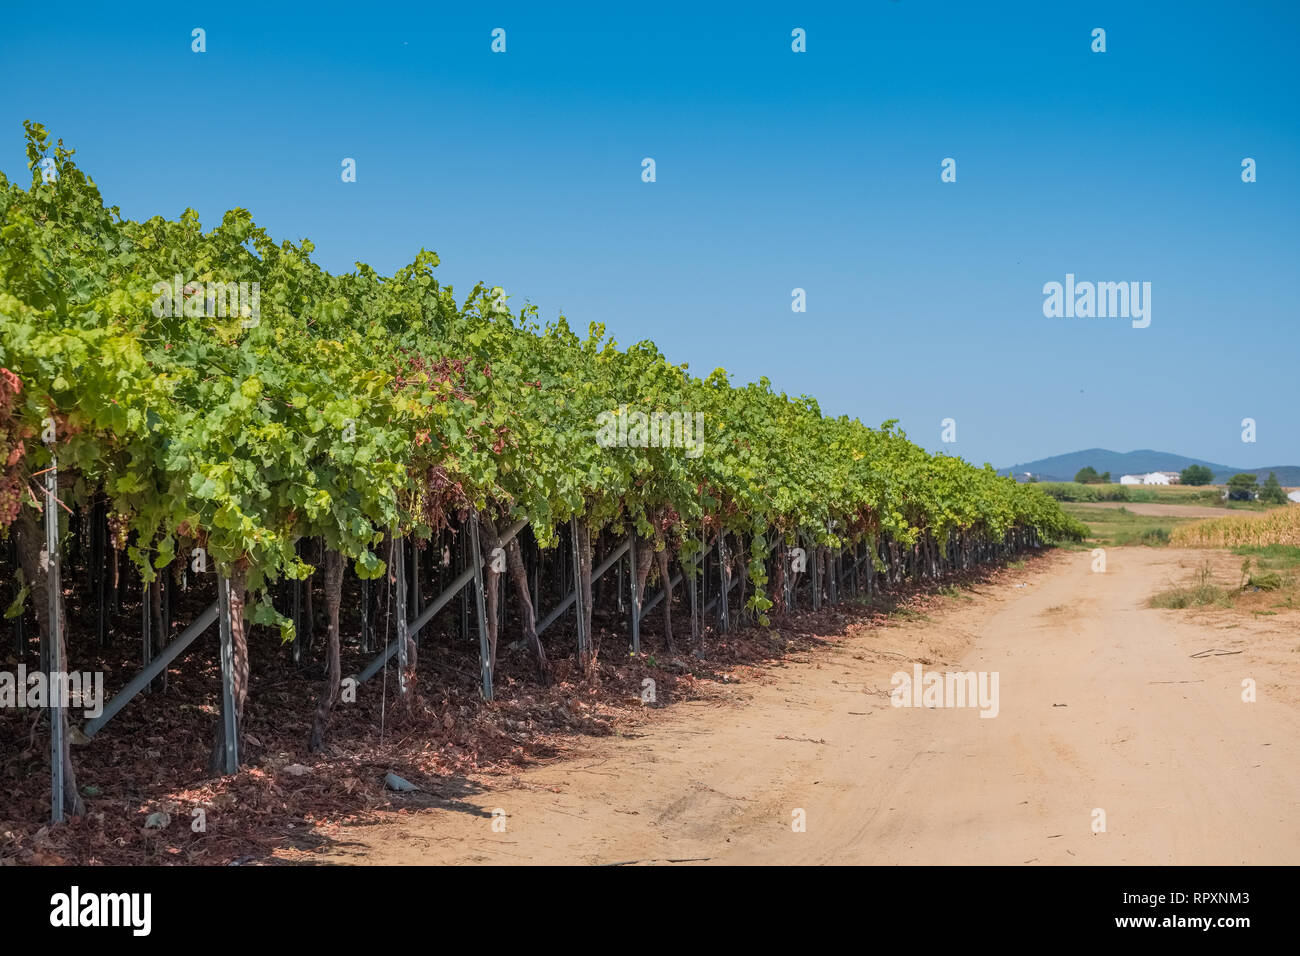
x: 775, y: 170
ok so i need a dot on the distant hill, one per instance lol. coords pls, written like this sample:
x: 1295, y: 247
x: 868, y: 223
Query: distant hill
x: 1065, y: 467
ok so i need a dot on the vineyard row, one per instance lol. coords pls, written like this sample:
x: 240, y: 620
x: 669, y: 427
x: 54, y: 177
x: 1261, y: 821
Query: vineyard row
x: 336, y: 421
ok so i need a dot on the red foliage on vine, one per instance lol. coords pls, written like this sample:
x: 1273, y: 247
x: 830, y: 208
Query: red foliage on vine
x: 12, y: 449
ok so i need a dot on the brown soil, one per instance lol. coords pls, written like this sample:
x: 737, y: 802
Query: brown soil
x: 1102, y: 706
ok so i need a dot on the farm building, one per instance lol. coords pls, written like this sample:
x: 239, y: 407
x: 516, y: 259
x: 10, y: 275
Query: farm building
x: 1164, y: 478
x: 1152, y: 478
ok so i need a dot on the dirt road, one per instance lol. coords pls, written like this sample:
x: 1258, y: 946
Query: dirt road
x: 1158, y: 508
x: 1101, y: 707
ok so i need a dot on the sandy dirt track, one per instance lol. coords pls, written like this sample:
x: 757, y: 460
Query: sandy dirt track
x: 1101, y: 706
x: 1158, y: 508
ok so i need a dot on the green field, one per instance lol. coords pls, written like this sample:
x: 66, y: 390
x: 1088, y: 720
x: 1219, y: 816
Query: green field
x: 1211, y: 495
x: 1114, y: 527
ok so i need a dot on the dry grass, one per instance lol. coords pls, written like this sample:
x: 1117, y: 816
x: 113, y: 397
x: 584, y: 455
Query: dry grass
x: 1202, y: 592
x: 1268, y: 581
x: 1281, y: 526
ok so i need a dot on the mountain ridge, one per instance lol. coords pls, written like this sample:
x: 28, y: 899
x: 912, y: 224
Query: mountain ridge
x: 1064, y: 467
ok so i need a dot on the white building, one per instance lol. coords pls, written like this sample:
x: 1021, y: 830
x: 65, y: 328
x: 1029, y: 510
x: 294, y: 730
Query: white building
x: 1153, y: 478
x: 1295, y: 495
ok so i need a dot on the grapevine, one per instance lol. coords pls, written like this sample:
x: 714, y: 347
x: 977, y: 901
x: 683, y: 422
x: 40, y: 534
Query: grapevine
x: 355, y: 409
x: 360, y: 403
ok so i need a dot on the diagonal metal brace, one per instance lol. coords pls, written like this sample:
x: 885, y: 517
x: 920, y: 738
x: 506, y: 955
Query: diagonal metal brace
x: 146, y: 676
x: 569, y: 599
x: 437, y: 604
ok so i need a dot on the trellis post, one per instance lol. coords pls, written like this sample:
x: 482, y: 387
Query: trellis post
x: 462, y: 546
x: 365, y: 616
x: 787, y: 574
x: 695, y: 610
x: 166, y: 582
x: 415, y: 579
x: 618, y: 589
x: 399, y: 605
x: 484, y: 652
x: 53, y: 658
x: 99, y: 547
x: 229, y: 717
x: 535, y: 576
x: 834, y: 583
x: 816, y: 550
x: 146, y: 613
x: 724, y: 574
x: 705, y: 553
x: 584, y: 640
x: 636, y: 597
x: 298, y: 629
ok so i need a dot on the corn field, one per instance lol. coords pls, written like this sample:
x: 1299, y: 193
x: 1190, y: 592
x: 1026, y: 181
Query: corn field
x: 1278, y: 527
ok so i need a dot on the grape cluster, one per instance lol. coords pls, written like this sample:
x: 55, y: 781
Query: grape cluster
x: 10, y: 499
x: 118, y: 526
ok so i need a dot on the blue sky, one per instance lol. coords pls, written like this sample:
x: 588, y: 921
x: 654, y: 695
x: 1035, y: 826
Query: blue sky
x: 775, y: 170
